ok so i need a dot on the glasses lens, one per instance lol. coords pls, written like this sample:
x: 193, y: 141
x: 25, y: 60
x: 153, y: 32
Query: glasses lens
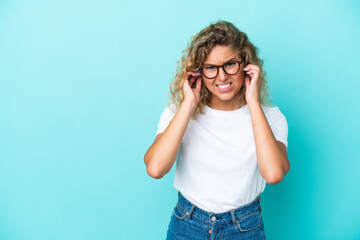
x: 231, y: 67
x: 210, y: 71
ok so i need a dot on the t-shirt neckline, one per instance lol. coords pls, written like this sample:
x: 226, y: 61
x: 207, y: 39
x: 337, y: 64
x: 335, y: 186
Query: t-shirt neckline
x: 213, y: 111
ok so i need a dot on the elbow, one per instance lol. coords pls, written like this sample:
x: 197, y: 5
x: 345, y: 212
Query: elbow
x: 276, y: 178
x: 153, y: 172
x: 151, y: 168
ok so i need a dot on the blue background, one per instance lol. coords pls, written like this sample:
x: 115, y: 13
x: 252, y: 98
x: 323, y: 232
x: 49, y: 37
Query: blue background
x: 82, y: 87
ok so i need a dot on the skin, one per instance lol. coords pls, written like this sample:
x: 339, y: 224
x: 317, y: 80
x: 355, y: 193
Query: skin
x: 229, y: 100
x: 271, y: 154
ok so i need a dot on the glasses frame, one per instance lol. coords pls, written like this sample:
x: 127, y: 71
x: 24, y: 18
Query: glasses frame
x: 222, y: 66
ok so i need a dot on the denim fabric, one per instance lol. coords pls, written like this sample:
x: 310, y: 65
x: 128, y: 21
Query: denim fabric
x: 192, y: 223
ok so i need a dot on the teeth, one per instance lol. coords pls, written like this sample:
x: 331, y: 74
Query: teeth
x: 224, y: 86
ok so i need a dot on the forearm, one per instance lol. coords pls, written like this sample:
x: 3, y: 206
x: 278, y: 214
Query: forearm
x: 272, y: 162
x: 162, y: 154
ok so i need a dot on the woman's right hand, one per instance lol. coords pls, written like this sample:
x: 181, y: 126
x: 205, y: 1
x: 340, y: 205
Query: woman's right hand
x: 192, y: 95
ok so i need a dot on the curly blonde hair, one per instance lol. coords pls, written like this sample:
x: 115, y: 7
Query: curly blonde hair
x: 224, y: 34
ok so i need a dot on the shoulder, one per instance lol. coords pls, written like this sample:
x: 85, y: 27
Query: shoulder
x: 170, y: 110
x: 171, y: 107
x: 166, y: 117
x: 271, y: 109
x: 272, y: 112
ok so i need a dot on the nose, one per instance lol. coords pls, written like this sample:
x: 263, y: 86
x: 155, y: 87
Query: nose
x: 222, y: 75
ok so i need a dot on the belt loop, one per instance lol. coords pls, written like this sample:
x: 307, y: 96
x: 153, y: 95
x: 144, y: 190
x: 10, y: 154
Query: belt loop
x: 233, y: 215
x: 260, y: 203
x: 191, y: 211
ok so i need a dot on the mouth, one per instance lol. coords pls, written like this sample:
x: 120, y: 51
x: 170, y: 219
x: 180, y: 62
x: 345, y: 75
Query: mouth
x: 224, y: 86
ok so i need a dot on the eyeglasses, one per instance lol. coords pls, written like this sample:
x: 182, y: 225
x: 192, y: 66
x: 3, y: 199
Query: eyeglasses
x: 211, y: 71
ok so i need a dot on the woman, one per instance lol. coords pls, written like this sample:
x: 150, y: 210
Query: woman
x: 230, y: 143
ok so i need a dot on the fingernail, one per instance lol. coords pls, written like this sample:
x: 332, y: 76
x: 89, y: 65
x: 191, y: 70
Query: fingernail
x: 245, y: 69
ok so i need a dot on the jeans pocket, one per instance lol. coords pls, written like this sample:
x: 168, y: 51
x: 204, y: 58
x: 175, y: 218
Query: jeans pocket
x: 249, y: 222
x: 179, y: 212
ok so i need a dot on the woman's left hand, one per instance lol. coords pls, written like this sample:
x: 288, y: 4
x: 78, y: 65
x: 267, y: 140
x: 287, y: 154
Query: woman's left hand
x: 252, y: 83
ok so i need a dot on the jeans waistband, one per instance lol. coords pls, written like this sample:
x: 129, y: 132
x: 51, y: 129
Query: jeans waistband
x: 219, y: 218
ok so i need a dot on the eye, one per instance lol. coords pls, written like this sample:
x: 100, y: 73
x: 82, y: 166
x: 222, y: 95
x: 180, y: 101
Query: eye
x: 209, y: 68
x: 230, y: 64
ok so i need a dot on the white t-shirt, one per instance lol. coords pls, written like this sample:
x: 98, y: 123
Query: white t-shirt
x: 217, y: 165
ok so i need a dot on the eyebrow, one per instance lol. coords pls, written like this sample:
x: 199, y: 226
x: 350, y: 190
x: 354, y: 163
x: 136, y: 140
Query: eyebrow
x: 221, y: 64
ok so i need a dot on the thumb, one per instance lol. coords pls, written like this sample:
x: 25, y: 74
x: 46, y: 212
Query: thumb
x: 186, y: 82
x: 186, y: 86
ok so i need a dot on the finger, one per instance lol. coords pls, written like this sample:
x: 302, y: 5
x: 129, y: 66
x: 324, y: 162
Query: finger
x: 251, y: 69
x: 188, y: 76
x: 187, y: 82
x: 194, y: 74
x: 192, y: 80
x: 249, y: 73
x: 191, y: 77
x: 251, y: 66
x: 252, y: 72
x: 254, y: 76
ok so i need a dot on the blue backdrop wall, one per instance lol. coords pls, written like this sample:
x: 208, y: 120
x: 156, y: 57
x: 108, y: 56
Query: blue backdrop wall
x: 82, y: 87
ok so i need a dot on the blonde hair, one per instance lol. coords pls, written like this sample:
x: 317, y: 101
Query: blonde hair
x: 224, y: 34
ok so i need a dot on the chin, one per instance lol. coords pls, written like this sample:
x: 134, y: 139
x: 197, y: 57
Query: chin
x: 226, y: 98
x: 228, y: 95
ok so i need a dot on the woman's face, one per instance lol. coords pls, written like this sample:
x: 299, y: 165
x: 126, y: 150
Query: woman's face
x: 227, y: 98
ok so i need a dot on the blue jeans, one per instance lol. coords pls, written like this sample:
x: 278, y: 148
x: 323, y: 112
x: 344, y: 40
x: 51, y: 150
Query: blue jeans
x: 191, y: 223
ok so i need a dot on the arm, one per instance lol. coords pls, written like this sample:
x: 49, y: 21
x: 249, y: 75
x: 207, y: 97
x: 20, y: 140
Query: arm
x: 161, y: 156
x: 271, y: 154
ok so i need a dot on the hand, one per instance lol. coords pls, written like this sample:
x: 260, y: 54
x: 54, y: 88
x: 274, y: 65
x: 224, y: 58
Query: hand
x: 192, y: 94
x: 253, y: 85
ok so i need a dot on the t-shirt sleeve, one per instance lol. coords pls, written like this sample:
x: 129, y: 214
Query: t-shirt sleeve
x: 279, y: 126
x: 165, y: 119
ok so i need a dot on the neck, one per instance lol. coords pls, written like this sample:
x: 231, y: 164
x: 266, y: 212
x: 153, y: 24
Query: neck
x: 227, y: 105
